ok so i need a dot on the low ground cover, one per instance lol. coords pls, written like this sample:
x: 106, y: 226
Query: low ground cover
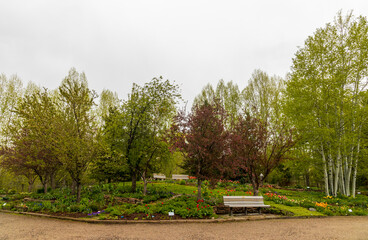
x: 115, y: 201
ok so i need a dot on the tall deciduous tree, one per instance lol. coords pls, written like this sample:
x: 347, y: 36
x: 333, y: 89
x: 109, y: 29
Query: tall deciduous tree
x: 203, y: 140
x: 135, y: 130
x: 11, y: 91
x: 262, y: 97
x: 229, y: 96
x: 325, y: 98
x: 76, y: 101
x: 35, y: 136
x: 107, y: 100
x: 108, y: 164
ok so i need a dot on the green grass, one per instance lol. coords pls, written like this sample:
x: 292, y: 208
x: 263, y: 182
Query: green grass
x: 292, y: 211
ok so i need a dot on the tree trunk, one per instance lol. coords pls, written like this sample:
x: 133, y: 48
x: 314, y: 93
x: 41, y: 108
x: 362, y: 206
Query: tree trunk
x: 348, y: 173
x: 30, y: 184
x: 73, y: 187
x: 307, y: 177
x: 336, y: 179
x: 199, y: 195
x: 353, y: 185
x: 79, y: 190
x: 30, y: 187
x: 144, y: 184
x: 255, y: 188
x: 327, y: 192
x: 134, y: 182
x: 342, y: 182
x: 45, y: 187
x: 330, y: 174
x: 52, y: 181
x: 337, y: 172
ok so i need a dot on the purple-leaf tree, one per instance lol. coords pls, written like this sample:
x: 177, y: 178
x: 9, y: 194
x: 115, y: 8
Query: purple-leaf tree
x: 202, y: 138
x: 257, y: 150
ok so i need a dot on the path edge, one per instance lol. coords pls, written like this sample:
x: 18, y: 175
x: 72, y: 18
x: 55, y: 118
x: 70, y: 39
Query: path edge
x: 96, y: 221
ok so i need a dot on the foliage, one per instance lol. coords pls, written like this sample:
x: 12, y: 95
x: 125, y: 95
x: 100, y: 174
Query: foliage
x: 262, y: 98
x: 257, y: 150
x: 134, y: 132
x: 326, y: 99
x: 78, y: 127
x: 227, y: 94
x: 202, y: 138
x: 103, y: 201
x: 294, y: 211
x: 35, y: 138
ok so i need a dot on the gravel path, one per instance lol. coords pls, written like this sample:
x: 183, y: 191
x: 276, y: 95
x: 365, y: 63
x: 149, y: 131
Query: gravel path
x: 28, y: 227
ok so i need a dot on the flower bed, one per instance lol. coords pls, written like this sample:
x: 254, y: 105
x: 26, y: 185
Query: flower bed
x: 114, y: 201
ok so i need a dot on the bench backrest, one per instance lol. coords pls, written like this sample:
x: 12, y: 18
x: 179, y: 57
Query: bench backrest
x: 243, y: 200
x: 159, y: 176
x: 180, y: 177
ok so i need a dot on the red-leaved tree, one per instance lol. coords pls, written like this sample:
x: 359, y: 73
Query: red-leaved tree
x: 203, y: 140
x: 257, y: 150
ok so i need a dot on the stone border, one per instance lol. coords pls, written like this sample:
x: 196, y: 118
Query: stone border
x: 221, y: 220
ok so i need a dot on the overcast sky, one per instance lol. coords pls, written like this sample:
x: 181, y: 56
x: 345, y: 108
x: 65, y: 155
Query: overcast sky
x: 194, y: 42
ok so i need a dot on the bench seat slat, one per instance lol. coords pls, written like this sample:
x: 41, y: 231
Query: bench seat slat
x: 261, y: 203
x: 244, y: 201
x: 241, y: 205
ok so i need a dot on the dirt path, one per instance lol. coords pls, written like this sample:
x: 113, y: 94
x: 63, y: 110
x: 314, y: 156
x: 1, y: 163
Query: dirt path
x: 29, y: 227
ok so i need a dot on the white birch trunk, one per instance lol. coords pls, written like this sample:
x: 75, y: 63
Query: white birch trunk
x: 330, y: 174
x: 355, y: 166
x: 342, y: 181
x: 337, y: 172
x: 348, y: 172
x: 325, y: 171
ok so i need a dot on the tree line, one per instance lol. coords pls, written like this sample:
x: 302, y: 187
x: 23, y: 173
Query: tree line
x: 309, y: 128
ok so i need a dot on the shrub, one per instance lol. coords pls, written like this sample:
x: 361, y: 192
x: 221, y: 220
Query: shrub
x: 77, y: 208
x: 116, y: 212
x: 42, y: 190
x: 94, y: 206
x: 12, y: 191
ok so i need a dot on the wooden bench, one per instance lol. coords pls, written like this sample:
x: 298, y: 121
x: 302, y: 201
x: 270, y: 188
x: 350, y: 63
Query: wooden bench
x: 245, y: 202
x: 159, y: 176
x: 180, y: 177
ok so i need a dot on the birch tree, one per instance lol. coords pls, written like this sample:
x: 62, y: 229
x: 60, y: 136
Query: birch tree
x: 262, y: 98
x: 11, y: 91
x: 325, y: 98
x: 229, y: 96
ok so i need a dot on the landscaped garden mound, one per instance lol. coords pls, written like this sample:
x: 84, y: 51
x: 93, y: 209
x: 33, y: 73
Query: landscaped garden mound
x: 115, y: 201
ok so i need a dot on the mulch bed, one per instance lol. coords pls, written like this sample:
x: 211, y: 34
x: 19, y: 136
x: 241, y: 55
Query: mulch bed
x: 119, y: 200
x: 134, y: 216
x: 143, y: 216
x: 65, y: 214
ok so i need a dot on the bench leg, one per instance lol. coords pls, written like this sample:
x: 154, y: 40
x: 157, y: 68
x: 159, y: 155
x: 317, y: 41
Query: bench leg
x: 246, y: 211
x: 259, y: 210
x: 231, y: 211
